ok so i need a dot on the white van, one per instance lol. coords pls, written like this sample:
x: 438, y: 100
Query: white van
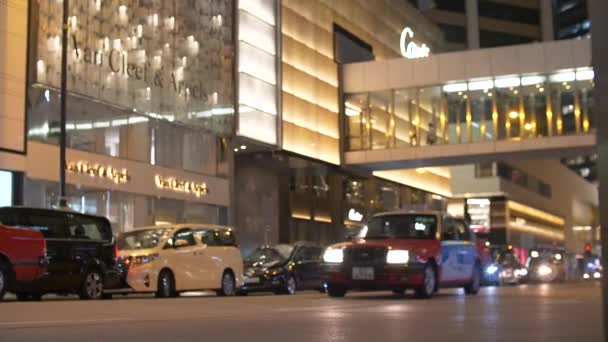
x: 170, y: 259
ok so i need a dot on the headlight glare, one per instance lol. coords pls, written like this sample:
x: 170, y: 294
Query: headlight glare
x: 333, y: 256
x: 491, y: 269
x: 544, y: 270
x: 397, y: 256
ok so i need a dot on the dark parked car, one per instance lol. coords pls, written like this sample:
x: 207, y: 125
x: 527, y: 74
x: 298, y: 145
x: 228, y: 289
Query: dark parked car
x: 80, y: 253
x: 283, y: 269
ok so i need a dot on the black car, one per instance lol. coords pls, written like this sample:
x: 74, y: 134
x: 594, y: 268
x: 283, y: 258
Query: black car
x: 80, y: 252
x: 283, y: 268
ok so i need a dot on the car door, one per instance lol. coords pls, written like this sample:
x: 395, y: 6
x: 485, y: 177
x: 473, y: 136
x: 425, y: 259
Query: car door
x: 467, y: 251
x: 62, y: 272
x: 182, y: 257
x: 210, y: 258
x: 316, y: 267
x: 449, y: 251
x: 302, y: 266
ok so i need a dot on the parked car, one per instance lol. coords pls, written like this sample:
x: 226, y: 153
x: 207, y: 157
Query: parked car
x: 402, y: 250
x: 170, y: 259
x: 510, y: 270
x: 22, y: 257
x: 283, y: 269
x: 545, y: 267
x: 79, y: 253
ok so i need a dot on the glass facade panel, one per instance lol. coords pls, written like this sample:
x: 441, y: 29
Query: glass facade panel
x: 505, y: 108
x: 124, y: 210
x: 155, y: 57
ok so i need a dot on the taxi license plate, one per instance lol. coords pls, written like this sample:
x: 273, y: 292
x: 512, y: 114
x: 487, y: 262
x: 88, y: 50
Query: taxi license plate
x: 363, y: 273
x: 252, y: 280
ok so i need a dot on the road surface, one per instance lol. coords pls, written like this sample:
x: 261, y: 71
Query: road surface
x: 570, y: 312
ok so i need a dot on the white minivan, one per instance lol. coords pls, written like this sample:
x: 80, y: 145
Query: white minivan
x: 170, y: 259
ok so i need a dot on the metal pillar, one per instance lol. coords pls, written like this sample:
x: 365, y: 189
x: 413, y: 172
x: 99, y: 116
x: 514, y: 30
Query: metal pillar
x: 64, y: 100
x: 599, y: 50
x: 472, y: 14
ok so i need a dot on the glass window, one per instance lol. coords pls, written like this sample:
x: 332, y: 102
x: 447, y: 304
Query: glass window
x: 448, y: 229
x: 227, y: 238
x: 50, y: 224
x: 216, y: 237
x: 142, y: 239
x: 380, y: 119
x: 462, y: 230
x: 182, y: 238
x: 429, y: 118
x: 405, y: 110
x: 355, y: 111
x: 271, y: 254
x: 400, y: 226
x: 89, y: 228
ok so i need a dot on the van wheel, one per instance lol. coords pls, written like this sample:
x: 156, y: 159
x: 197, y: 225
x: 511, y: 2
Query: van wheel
x: 228, y: 285
x: 92, y: 286
x: 3, y: 279
x: 473, y: 286
x: 166, y: 285
x: 429, y: 283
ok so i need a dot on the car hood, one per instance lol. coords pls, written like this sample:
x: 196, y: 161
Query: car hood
x: 408, y: 244
x: 263, y: 265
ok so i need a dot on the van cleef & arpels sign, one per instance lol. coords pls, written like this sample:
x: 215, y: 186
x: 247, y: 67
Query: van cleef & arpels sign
x: 172, y: 60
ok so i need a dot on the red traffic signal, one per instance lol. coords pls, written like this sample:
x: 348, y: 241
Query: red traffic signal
x: 587, y: 248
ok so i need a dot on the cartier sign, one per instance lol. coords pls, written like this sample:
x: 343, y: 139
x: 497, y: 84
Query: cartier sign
x: 409, y: 49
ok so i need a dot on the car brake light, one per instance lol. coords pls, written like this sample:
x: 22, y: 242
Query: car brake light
x: 116, y: 252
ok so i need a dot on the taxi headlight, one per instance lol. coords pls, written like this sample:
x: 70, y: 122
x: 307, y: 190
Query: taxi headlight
x: 333, y: 256
x: 397, y: 256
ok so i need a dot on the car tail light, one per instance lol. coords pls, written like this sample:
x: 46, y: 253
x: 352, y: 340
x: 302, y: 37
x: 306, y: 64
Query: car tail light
x: 116, y: 257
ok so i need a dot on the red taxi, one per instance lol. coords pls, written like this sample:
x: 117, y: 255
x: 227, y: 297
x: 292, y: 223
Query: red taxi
x: 405, y: 250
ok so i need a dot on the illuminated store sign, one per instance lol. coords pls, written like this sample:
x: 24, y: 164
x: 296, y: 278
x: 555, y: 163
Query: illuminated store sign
x: 99, y: 171
x: 354, y: 215
x: 411, y: 49
x: 178, y: 185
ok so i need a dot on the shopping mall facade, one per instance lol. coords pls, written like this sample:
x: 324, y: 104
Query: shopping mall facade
x: 236, y: 112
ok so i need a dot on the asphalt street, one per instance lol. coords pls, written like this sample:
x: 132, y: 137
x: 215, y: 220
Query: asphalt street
x: 569, y: 312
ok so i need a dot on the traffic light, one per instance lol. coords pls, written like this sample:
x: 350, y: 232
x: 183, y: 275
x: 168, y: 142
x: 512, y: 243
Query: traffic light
x: 587, y: 250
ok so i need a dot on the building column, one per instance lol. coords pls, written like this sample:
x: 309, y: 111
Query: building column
x: 472, y: 24
x: 599, y: 50
x: 546, y: 20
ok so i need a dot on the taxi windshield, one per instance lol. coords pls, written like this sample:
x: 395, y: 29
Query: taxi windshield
x: 402, y: 226
x: 142, y: 239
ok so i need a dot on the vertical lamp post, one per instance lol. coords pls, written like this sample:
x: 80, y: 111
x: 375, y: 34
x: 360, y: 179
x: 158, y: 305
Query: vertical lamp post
x: 62, y: 119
